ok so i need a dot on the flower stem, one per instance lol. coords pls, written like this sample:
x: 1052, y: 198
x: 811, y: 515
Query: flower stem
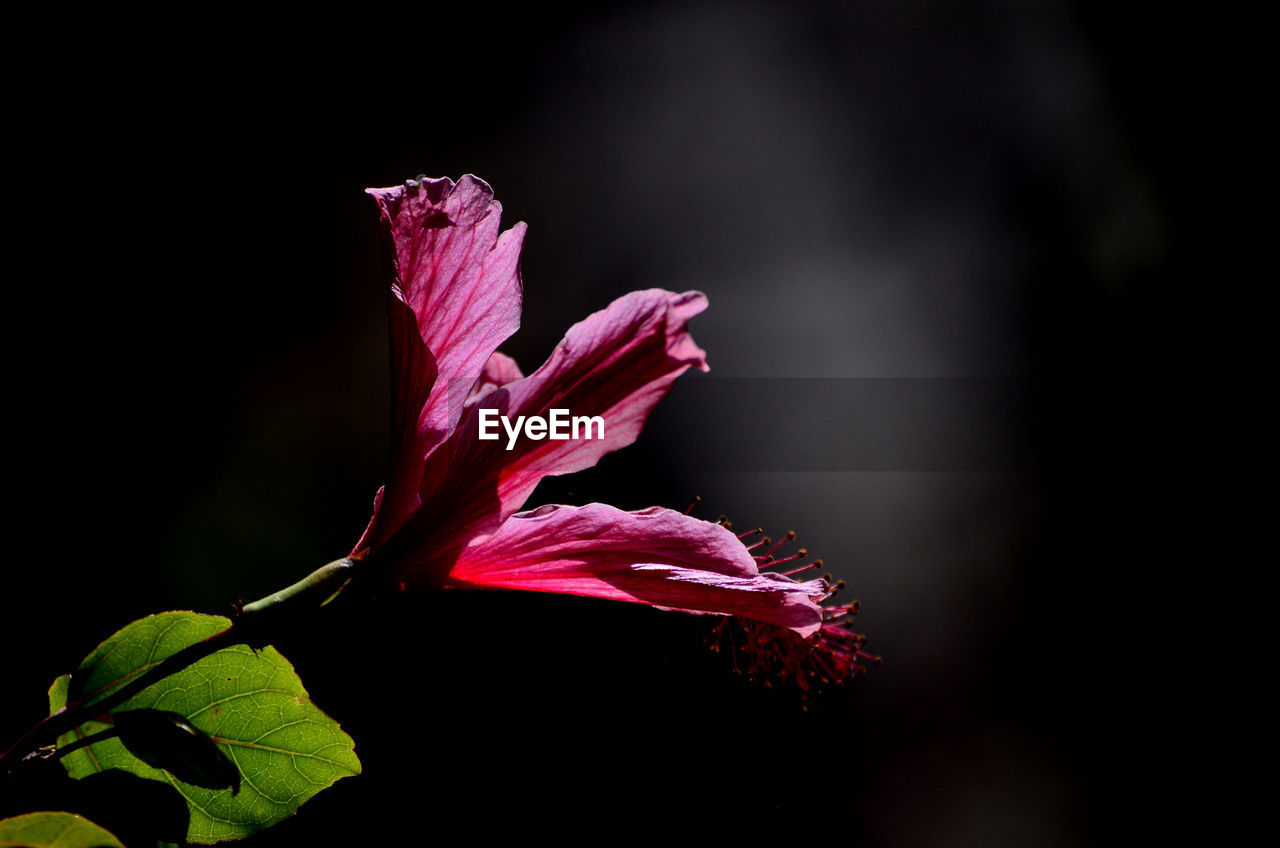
x: 83, y: 742
x: 323, y: 585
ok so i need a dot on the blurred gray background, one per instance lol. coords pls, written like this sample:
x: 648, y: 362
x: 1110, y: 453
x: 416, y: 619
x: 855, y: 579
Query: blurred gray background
x: 896, y: 210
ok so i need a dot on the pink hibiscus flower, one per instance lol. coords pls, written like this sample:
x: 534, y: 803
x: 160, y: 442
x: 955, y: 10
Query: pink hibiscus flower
x: 450, y: 515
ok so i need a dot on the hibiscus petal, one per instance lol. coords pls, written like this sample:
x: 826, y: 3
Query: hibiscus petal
x: 653, y: 556
x: 460, y: 278
x: 413, y: 372
x: 498, y: 372
x: 616, y: 364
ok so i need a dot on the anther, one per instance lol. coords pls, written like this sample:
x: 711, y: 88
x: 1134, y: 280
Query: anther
x: 801, y: 554
x: 697, y: 499
x: 790, y: 537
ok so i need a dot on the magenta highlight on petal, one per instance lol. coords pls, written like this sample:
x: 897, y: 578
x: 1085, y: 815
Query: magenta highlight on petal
x: 450, y: 512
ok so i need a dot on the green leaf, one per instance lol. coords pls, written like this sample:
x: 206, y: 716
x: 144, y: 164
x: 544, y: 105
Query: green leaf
x: 138, y: 647
x: 251, y: 704
x: 54, y: 830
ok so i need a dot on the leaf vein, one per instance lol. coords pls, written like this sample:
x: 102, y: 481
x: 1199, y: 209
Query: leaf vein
x: 233, y: 697
x: 271, y: 750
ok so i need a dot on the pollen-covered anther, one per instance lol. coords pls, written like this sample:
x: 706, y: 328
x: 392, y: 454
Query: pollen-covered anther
x: 800, y: 554
x: 772, y: 655
x: 830, y: 590
x: 836, y: 613
x: 817, y: 563
x: 769, y: 558
x: 791, y: 537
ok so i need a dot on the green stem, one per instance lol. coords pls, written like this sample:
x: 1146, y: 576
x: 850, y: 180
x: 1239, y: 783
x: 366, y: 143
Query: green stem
x: 82, y: 742
x: 322, y: 585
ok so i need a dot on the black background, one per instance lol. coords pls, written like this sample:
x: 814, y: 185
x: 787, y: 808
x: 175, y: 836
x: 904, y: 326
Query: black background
x: 195, y: 370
